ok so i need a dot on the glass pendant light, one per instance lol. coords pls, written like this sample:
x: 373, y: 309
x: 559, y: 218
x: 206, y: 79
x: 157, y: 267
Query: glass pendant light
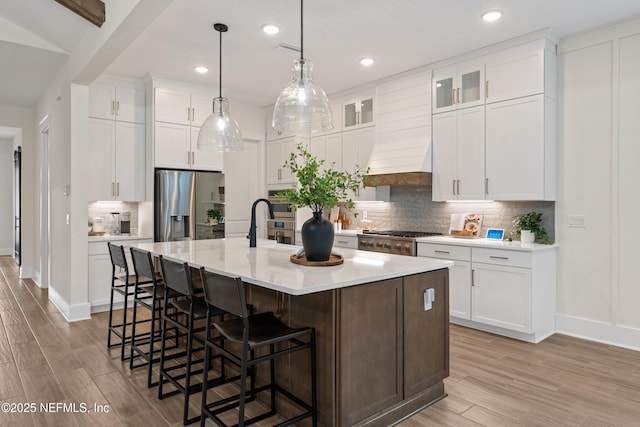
x: 220, y: 132
x: 302, y: 106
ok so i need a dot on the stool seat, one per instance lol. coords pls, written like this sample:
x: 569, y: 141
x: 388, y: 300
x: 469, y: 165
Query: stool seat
x: 199, y: 307
x: 264, y: 329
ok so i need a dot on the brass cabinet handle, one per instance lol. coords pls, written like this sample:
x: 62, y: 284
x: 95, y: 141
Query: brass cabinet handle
x: 113, y: 189
x: 473, y: 277
x: 117, y: 189
x: 458, y: 96
x: 486, y: 88
x: 458, y: 187
x: 441, y: 252
x: 486, y: 186
x: 279, y: 174
x: 117, y: 108
x: 113, y: 107
x: 453, y: 96
x: 454, y: 186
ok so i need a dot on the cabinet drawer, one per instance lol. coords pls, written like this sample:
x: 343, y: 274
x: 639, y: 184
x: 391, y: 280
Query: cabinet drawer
x: 502, y: 257
x: 339, y: 241
x: 453, y: 252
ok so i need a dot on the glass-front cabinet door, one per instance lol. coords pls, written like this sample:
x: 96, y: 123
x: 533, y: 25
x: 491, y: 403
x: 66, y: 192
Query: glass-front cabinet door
x: 358, y: 111
x: 458, y: 87
x: 470, y: 90
x: 443, y: 94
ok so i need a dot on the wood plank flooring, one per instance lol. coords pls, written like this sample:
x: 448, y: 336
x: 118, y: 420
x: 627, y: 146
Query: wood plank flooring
x: 494, y: 381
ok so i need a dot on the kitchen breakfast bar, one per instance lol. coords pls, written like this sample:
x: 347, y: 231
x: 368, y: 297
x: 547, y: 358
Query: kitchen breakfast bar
x: 382, y: 323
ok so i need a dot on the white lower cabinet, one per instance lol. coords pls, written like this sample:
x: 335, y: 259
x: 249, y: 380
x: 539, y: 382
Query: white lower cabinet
x: 501, y: 296
x: 100, y: 274
x: 510, y: 292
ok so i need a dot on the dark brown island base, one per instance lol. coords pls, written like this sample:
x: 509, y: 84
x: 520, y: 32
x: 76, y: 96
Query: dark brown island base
x: 382, y: 325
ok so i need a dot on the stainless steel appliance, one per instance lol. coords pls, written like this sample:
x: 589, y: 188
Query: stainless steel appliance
x: 182, y: 199
x: 282, y: 230
x: 283, y: 227
x: 392, y: 241
x: 281, y: 208
x: 125, y: 223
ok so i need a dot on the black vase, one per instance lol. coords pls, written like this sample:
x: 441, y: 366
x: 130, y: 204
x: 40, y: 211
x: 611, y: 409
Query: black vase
x: 317, y: 238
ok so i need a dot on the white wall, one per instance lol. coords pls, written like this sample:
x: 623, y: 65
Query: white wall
x: 68, y: 130
x: 599, y: 154
x: 6, y: 196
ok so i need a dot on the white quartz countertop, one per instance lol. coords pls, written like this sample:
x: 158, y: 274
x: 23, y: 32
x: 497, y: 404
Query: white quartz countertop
x: 117, y: 237
x: 484, y: 243
x: 269, y: 266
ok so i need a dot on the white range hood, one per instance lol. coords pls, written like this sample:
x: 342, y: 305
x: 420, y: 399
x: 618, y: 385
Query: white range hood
x: 402, y: 151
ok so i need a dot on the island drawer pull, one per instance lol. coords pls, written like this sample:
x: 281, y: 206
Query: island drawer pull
x: 498, y: 257
x: 441, y: 252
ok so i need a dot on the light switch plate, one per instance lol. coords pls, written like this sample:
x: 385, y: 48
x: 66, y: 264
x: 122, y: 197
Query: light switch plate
x: 429, y: 298
x: 576, y: 221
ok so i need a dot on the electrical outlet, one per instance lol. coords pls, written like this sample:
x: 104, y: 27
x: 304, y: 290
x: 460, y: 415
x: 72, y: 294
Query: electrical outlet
x: 576, y: 221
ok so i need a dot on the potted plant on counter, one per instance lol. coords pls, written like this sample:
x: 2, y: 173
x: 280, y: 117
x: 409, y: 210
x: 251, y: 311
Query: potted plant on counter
x: 319, y: 187
x: 530, y: 229
x: 213, y: 216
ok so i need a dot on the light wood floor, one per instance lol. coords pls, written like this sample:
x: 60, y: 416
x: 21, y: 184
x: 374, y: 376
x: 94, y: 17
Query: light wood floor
x: 494, y: 381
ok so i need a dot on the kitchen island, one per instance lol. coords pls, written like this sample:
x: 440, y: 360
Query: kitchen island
x: 381, y: 320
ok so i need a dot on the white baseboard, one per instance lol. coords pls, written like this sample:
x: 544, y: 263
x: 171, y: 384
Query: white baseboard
x: 606, y: 333
x: 71, y: 313
x: 25, y: 273
x: 6, y: 251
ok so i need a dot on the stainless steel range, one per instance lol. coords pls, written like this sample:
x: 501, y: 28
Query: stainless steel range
x: 392, y: 241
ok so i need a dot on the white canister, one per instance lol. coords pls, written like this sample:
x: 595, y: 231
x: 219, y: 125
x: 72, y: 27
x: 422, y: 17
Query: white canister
x: 98, y: 225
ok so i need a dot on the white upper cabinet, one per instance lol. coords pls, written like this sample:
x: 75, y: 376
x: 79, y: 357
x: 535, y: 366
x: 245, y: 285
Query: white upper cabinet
x: 117, y: 159
x: 519, y: 72
x: 358, y: 110
x: 520, y: 149
x: 116, y: 140
x: 115, y: 101
x: 458, y: 155
x: 514, y: 144
x: 457, y: 87
x: 278, y: 152
x: 179, y: 111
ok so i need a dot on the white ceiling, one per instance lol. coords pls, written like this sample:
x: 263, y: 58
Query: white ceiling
x: 400, y: 35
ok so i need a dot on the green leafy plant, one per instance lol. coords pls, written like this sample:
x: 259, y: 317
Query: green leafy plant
x: 530, y: 221
x: 213, y: 213
x: 319, y: 187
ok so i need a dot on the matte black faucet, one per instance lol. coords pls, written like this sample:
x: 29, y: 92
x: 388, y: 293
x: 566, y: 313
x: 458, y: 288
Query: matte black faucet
x: 252, y: 230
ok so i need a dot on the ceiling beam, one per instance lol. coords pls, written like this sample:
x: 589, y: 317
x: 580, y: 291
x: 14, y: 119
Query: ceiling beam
x: 91, y: 10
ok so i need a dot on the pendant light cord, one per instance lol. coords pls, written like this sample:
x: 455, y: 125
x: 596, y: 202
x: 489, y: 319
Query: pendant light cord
x: 301, y: 40
x: 220, y: 77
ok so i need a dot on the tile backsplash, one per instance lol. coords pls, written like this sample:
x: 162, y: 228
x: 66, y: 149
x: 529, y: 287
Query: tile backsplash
x: 104, y: 209
x: 411, y: 208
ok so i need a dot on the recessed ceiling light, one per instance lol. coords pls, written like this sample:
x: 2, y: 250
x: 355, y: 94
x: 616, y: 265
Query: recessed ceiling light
x: 201, y: 69
x: 492, y: 15
x: 367, y: 61
x: 270, y: 29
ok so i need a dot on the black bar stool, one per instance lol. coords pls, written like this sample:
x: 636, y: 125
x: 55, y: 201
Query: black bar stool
x: 150, y: 297
x: 252, y: 332
x: 122, y: 284
x: 190, y: 308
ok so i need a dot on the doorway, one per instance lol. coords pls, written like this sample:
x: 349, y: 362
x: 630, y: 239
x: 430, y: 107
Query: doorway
x: 17, y: 204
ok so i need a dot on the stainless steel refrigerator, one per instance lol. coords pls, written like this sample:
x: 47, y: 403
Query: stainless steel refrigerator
x: 182, y: 199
